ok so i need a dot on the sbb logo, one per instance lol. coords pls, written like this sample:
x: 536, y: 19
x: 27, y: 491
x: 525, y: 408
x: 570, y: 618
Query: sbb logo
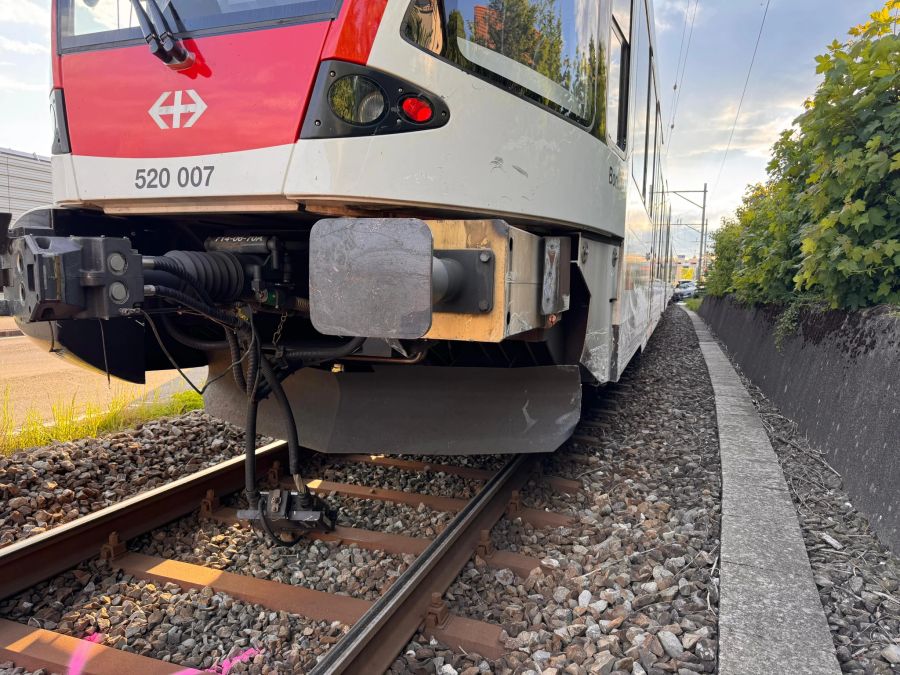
x: 177, y: 109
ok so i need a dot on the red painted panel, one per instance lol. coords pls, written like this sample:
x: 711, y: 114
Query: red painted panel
x: 54, y: 54
x: 353, y: 32
x: 255, y: 86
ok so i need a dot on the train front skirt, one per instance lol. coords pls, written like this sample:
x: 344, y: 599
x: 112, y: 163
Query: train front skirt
x: 419, y: 410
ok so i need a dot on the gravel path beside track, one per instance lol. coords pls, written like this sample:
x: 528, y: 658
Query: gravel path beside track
x: 632, y: 588
x: 46, y: 487
x: 858, y: 578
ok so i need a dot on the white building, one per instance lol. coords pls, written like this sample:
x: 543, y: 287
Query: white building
x: 24, y: 182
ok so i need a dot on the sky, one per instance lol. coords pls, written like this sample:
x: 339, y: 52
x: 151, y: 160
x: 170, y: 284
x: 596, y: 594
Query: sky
x: 716, y: 66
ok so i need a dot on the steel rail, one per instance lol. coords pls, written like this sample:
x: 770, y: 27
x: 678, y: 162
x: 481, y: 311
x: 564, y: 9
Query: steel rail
x: 373, y: 643
x: 32, y: 560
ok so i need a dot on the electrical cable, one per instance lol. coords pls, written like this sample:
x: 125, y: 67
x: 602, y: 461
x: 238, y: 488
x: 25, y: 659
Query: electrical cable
x: 762, y: 25
x: 197, y: 305
x: 189, y: 341
x: 235, y: 349
x: 175, y: 365
x: 308, y: 355
x: 683, y: 65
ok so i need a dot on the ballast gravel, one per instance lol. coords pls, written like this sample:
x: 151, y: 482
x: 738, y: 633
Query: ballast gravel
x: 196, y: 628
x: 858, y: 578
x: 317, y: 565
x: 390, y: 478
x: 46, y: 487
x: 632, y: 588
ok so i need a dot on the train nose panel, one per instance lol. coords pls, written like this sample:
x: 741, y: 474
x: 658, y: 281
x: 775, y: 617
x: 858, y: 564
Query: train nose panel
x: 247, y: 90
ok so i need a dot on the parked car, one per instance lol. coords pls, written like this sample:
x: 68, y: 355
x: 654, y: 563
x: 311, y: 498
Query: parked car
x: 684, y: 290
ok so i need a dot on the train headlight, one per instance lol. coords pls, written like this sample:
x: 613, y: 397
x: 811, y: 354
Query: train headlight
x: 357, y: 100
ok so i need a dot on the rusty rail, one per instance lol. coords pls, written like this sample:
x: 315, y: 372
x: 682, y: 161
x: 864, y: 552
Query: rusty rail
x: 374, y: 641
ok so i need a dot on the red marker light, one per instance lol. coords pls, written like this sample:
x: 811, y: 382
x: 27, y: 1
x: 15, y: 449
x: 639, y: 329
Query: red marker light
x: 417, y: 109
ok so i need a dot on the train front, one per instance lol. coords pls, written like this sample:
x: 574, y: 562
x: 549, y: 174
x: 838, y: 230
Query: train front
x: 279, y: 190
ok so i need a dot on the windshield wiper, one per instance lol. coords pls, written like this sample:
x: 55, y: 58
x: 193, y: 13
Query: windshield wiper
x: 159, y: 37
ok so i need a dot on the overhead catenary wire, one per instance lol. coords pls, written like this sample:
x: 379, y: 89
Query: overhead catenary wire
x: 681, y: 68
x: 737, y: 116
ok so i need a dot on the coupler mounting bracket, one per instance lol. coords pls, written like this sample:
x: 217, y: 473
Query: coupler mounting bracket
x: 288, y: 511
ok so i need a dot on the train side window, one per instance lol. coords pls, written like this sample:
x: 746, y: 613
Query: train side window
x: 621, y: 12
x: 643, y: 57
x: 652, y: 147
x: 617, y: 99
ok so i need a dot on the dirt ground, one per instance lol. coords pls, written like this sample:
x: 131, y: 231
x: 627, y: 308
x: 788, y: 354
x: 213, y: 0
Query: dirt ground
x: 37, y: 380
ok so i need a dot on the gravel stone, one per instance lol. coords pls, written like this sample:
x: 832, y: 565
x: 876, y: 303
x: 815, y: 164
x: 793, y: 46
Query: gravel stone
x: 192, y: 628
x: 640, y: 559
x: 46, y: 487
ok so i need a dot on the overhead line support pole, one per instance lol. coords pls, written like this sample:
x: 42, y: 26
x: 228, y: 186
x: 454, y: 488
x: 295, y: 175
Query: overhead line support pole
x: 702, y: 237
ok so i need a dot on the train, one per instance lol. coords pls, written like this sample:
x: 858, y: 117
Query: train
x: 411, y: 226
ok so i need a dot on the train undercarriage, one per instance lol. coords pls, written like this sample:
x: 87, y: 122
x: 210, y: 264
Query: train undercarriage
x: 412, y: 336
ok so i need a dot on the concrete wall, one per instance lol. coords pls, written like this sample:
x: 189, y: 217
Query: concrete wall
x: 838, y: 378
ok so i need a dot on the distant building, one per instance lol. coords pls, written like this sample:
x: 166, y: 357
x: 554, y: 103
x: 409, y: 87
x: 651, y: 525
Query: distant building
x: 24, y: 182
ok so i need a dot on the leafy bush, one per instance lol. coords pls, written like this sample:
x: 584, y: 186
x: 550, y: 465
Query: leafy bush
x: 727, y: 244
x: 826, y: 224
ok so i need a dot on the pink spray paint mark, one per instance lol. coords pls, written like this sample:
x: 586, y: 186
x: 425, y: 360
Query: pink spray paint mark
x: 243, y: 657
x: 82, y: 654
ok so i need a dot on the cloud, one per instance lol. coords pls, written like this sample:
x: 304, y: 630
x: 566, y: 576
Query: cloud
x: 7, y: 45
x: 25, y: 11
x: 756, y: 131
x: 8, y: 83
x: 670, y: 14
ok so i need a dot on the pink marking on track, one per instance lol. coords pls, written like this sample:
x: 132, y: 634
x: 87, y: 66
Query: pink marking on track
x: 243, y: 657
x: 81, y: 656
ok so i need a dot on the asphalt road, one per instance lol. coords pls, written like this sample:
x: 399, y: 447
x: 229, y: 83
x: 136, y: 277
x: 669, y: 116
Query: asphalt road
x: 37, y: 380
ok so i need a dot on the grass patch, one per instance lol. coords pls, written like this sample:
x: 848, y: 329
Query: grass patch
x: 693, y: 304
x: 69, y: 423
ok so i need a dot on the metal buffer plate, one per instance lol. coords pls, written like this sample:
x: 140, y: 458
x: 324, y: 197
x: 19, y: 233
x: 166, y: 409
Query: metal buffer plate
x: 371, y: 277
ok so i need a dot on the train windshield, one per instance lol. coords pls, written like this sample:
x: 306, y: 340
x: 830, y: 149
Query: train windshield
x: 85, y: 23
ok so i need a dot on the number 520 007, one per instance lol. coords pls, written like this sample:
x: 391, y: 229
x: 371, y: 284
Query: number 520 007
x: 186, y: 176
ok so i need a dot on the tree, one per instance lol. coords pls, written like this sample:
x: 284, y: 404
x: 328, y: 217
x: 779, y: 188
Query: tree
x: 826, y: 223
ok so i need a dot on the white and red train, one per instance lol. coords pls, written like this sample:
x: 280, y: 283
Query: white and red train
x: 404, y: 226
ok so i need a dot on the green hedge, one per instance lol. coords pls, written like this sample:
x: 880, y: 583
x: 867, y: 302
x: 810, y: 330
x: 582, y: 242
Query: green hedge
x: 826, y: 224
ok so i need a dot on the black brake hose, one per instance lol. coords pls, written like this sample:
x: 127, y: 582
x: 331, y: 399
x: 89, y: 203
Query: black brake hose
x: 293, y: 438
x: 250, y: 451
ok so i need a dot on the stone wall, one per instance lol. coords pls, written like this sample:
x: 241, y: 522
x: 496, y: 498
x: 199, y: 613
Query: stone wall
x: 838, y: 377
